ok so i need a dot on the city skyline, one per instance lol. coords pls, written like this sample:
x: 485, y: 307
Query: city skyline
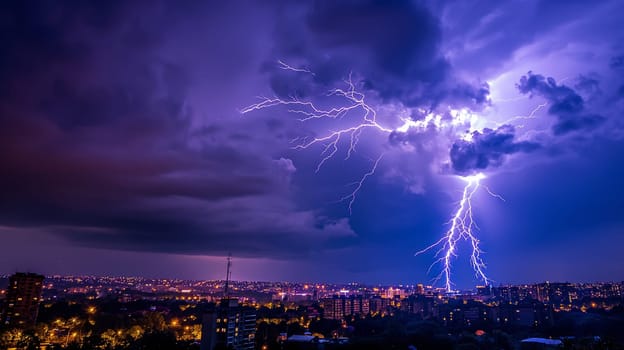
x: 312, y: 283
x: 103, y: 312
x: 132, y: 143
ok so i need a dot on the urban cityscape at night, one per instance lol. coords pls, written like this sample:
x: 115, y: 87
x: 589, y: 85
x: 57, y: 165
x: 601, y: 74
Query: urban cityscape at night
x: 134, y: 312
x: 313, y: 174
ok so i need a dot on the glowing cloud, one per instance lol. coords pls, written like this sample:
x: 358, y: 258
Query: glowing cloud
x: 462, y: 225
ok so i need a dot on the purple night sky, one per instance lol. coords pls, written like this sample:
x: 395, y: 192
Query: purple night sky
x: 124, y: 151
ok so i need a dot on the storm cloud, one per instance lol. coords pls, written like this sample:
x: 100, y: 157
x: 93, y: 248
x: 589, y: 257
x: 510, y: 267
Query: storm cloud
x: 99, y: 143
x: 120, y: 131
x: 565, y: 104
x: 487, y: 149
x: 393, y: 47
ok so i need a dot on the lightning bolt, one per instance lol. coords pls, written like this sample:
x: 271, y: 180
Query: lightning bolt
x: 462, y: 226
x: 354, y: 104
x: 363, y: 117
x: 286, y: 66
x: 358, y: 184
x: 526, y: 117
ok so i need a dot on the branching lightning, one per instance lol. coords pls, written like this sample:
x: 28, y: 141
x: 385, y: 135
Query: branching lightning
x: 286, y: 66
x: 355, y: 101
x: 462, y: 224
x: 358, y: 185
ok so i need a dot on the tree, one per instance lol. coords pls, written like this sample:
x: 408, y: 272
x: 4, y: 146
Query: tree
x: 28, y: 341
x: 157, y: 341
x: 113, y: 339
x: 154, y: 322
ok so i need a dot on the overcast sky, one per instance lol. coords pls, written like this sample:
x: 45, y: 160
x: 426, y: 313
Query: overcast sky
x: 124, y: 149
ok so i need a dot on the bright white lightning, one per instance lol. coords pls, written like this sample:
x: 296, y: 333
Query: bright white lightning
x: 462, y: 223
x: 355, y: 101
x: 462, y: 227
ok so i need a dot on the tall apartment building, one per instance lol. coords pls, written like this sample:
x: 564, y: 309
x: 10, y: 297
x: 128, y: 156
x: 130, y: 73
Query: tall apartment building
x: 229, y: 326
x: 22, y: 301
x: 338, y: 307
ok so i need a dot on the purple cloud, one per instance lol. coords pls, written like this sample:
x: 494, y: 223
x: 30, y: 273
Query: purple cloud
x: 487, y: 149
x: 565, y: 103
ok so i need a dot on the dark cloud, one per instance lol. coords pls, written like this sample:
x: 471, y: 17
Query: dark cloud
x: 398, y: 36
x: 98, y: 143
x: 617, y: 62
x: 479, y: 95
x: 392, y: 46
x: 588, y: 84
x: 119, y: 130
x: 487, y: 149
x: 564, y: 103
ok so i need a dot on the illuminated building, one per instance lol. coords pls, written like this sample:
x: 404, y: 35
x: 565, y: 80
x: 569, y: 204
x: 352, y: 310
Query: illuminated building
x: 338, y: 307
x: 393, y: 293
x: 379, y: 305
x: 229, y: 326
x: 484, y: 291
x: 558, y: 294
x: 417, y: 304
x: 528, y: 314
x: 420, y: 289
x: 23, y: 298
